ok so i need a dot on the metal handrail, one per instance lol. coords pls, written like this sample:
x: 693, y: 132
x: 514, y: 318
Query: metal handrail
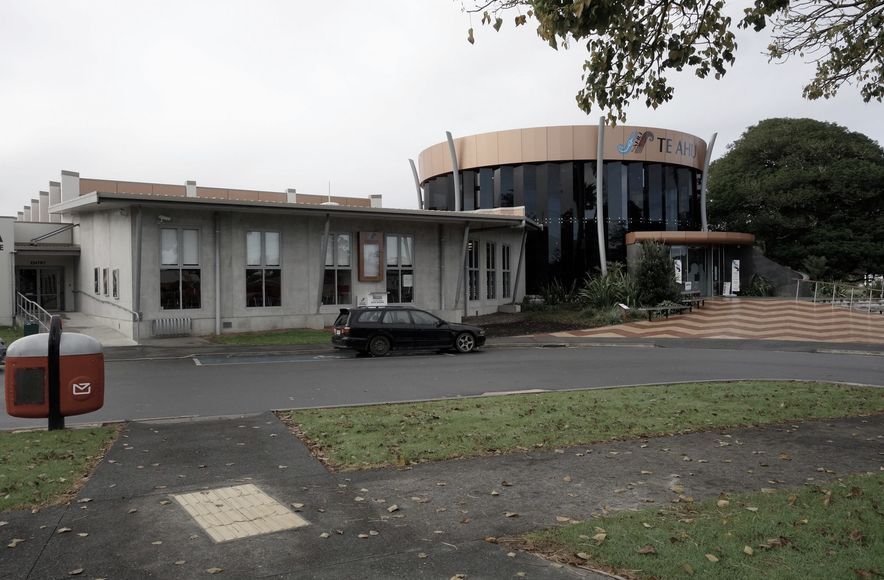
x: 851, y: 295
x: 27, y: 308
x: 136, y: 315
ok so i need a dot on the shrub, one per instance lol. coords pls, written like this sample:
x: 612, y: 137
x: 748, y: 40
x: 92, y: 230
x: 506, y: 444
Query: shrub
x: 655, y: 275
x: 555, y: 292
x: 606, y: 291
x: 759, y: 286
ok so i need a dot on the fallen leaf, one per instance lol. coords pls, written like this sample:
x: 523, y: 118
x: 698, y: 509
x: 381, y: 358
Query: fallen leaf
x: 62, y: 530
x: 723, y: 503
x: 214, y: 570
x: 563, y: 519
x: 600, y: 537
x: 420, y: 499
x: 458, y: 577
x: 84, y: 500
x: 647, y: 525
x: 76, y: 572
x: 15, y: 542
x: 567, y: 479
x: 510, y: 515
x: 647, y: 549
x: 393, y: 508
x: 688, y: 569
x: 358, y: 498
x: 324, y: 535
x: 165, y: 502
x: 373, y: 532
x: 421, y: 555
x: 494, y: 492
x: 83, y: 534
x: 583, y: 555
x: 511, y: 554
x: 505, y: 483
x: 180, y: 562
x: 712, y: 557
x: 752, y: 508
x: 747, y: 550
x: 362, y: 536
x: 132, y: 511
x: 677, y: 488
x: 768, y: 490
x: 297, y: 505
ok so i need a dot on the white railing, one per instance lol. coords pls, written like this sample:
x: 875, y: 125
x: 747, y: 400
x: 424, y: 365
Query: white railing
x: 29, y: 311
x: 136, y: 316
x: 856, y: 296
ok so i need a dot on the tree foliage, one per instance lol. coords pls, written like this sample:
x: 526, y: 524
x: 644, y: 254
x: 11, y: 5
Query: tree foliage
x: 811, y: 192
x: 634, y: 45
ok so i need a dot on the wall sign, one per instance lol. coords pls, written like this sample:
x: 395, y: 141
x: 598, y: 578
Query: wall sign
x: 678, y: 275
x: 735, y: 276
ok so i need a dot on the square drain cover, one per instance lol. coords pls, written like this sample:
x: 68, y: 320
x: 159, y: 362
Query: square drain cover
x: 231, y: 513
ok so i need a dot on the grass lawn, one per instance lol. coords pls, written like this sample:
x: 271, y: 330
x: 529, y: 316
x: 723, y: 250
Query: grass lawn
x: 40, y: 467
x: 9, y: 334
x: 399, y: 434
x: 822, y: 531
x: 275, y: 337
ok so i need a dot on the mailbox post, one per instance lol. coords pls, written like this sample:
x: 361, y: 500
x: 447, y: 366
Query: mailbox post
x: 56, y: 419
x: 54, y: 375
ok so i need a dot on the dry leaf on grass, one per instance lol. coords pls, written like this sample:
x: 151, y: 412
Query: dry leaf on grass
x: 647, y: 549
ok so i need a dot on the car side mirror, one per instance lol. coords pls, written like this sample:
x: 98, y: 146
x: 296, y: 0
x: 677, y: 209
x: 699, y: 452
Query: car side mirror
x: 440, y: 323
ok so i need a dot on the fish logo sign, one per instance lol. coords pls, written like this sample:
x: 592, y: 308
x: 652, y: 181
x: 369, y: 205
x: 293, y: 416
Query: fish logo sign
x: 635, y: 143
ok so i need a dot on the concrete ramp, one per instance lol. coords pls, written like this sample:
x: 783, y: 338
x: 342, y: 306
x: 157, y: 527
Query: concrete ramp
x: 754, y: 319
x: 85, y: 324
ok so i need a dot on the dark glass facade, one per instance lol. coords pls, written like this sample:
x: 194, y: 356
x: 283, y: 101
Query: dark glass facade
x: 561, y: 196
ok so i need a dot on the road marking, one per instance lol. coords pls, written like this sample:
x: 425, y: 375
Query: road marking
x: 856, y: 352
x: 197, y: 362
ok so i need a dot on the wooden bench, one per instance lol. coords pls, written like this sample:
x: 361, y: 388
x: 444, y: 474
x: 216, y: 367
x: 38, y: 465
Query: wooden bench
x: 698, y: 302
x: 664, y: 311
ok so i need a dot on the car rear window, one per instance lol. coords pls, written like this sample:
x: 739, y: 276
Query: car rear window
x: 370, y: 315
x: 341, y: 320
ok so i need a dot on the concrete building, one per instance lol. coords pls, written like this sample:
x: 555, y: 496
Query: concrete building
x: 157, y: 259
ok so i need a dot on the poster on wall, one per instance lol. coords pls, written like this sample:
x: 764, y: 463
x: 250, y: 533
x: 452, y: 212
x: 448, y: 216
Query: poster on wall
x: 678, y: 276
x: 370, y: 257
x: 735, y: 276
x: 407, y: 280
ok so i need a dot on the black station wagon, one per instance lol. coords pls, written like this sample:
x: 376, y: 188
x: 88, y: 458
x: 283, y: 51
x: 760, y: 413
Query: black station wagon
x: 378, y: 330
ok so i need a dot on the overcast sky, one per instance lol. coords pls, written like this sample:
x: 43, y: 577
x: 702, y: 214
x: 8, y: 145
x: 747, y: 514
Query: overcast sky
x: 270, y: 95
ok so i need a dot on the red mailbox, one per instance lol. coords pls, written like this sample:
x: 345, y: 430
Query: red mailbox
x: 30, y: 376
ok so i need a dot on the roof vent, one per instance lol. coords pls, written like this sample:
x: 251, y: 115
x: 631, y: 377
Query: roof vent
x: 329, y: 203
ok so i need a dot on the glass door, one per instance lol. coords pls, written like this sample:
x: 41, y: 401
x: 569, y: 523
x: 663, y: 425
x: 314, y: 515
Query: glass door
x: 43, y: 286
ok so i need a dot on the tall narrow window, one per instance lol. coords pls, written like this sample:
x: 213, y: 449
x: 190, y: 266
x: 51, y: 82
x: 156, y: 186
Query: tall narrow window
x: 473, y: 269
x: 505, y: 275
x: 336, y: 284
x: 179, y: 269
x: 104, y: 284
x: 116, y: 283
x: 97, y: 280
x: 490, y: 270
x: 263, y: 274
x: 399, y: 253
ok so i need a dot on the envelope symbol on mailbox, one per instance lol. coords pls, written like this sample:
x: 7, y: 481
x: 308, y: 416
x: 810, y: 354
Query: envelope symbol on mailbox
x: 82, y: 388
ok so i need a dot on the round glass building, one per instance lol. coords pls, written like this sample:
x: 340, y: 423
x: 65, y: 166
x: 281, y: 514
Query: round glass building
x: 650, y: 185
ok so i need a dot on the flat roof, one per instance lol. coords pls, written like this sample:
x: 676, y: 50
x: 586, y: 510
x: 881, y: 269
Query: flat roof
x: 97, y: 201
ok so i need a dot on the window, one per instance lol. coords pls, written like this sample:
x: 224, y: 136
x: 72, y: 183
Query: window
x: 263, y: 274
x: 421, y: 318
x: 505, y: 271
x: 473, y: 269
x: 104, y: 284
x: 116, y: 283
x: 97, y: 280
x: 490, y: 270
x: 336, y: 284
x: 179, y: 269
x: 400, y: 268
x: 396, y: 317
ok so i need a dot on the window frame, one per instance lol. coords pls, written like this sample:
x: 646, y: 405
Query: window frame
x: 337, y: 268
x: 97, y: 276
x: 104, y: 281
x: 115, y: 282
x: 181, y: 266
x: 490, y: 270
x: 263, y: 266
x: 473, y: 281
x: 506, y: 271
x: 397, y: 272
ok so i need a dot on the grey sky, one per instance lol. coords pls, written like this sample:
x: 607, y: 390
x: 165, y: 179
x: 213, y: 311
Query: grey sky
x: 269, y: 95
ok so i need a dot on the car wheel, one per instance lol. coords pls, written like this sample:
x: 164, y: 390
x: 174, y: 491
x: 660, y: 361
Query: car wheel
x: 465, y: 342
x: 379, y: 346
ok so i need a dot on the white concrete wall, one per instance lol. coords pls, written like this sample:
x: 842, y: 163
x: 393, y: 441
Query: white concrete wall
x: 105, y: 240
x: 7, y: 287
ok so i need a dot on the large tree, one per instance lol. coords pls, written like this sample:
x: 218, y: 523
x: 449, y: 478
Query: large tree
x: 634, y: 45
x: 811, y: 192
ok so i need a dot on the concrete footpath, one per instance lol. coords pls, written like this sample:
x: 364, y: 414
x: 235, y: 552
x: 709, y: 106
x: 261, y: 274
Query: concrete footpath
x: 127, y: 522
